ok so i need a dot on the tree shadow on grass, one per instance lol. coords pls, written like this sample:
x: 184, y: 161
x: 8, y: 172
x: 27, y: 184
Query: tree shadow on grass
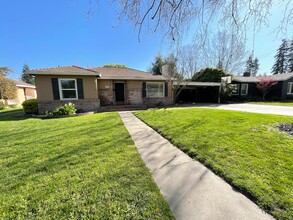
x: 14, y: 115
x: 56, y: 154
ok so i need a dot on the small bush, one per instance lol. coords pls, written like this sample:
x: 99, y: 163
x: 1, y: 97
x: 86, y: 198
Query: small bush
x: 67, y: 109
x: 2, y: 105
x: 160, y: 104
x: 30, y: 106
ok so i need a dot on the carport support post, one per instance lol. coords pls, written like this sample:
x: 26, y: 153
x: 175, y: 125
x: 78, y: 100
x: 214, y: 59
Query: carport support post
x: 219, y: 97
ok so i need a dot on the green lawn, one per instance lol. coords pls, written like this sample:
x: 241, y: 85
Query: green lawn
x: 284, y: 103
x: 245, y: 149
x: 10, y: 109
x: 83, y: 167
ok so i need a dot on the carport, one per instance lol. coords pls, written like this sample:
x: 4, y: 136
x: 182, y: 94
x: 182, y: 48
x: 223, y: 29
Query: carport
x: 191, y: 92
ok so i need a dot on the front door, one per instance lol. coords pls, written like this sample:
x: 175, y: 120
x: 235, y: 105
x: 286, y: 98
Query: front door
x: 119, y: 92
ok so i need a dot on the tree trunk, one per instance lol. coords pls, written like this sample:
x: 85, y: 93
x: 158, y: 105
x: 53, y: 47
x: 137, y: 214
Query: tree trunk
x: 263, y: 96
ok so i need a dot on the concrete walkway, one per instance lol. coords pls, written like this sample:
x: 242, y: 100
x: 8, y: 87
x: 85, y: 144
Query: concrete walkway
x: 245, y: 107
x: 192, y: 190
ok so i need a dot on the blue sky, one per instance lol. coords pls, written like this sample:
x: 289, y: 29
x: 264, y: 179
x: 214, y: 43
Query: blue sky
x: 51, y: 33
x: 57, y: 32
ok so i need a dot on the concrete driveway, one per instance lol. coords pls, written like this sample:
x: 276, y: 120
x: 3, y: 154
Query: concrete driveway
x: 263, y: 109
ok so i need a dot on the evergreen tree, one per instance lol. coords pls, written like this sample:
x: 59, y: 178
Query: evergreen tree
x: 249, y: 65
x: 290, y: 56
x: 26, y: 77
x: 252, y: 66
x: 220, y: 64
x: 280, y: 65
x: 159, y: 62
x: 255, y: 67
x: 157, y: 65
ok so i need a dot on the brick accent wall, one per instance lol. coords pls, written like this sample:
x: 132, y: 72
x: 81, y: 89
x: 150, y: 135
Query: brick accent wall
x: 156, y: 101
x: 106, y: 97
x: 134, y: 96
x: 82, y: 104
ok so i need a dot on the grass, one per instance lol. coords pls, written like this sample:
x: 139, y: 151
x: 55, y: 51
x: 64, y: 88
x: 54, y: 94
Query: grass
x: 283, y: 103
x: 10, y: 109
x: 245, y: 149
x: 83, y: 167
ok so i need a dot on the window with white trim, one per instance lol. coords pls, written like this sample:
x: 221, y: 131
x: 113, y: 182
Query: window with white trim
x: 155, y: 89
x: 68, y: 89
x: 244, y: 89
x: 234, y: 88
x: 290, y: 88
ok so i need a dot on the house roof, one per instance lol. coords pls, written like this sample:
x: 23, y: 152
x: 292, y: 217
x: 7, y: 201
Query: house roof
x: 126, y: 74
x: 199, y: 84
x: 64, y: 70
x: 22, y: 84
x: 113, y: 73
x: 278, y: 77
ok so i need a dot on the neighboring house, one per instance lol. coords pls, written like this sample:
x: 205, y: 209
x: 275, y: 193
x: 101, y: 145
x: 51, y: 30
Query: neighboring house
x: 89, y: 89
x: 245, y: 87
x: 25, y: 92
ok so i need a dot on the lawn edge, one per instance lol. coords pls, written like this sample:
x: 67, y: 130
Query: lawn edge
x: 235, y: 187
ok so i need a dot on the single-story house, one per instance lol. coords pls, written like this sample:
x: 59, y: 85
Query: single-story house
x: 245, y: 87
x: 89, y: 89
x: 25, y: 92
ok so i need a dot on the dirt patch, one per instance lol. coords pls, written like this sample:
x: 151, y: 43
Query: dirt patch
x: 288, y: 128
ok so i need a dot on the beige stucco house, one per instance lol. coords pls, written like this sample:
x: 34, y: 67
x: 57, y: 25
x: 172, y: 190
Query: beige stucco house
x: 25, y: 92
x: 89, y: 89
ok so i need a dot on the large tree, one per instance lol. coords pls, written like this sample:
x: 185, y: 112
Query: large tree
x: 226, y: 51
x: 173, y: 18
x: 4, y: 70
x: 26, y: 77
x: 280, y: 65
x: 7, y: 88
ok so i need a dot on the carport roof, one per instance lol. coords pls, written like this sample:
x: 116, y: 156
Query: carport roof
x: 198, y: 84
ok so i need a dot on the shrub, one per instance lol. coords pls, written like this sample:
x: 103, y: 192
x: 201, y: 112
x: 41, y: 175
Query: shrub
x: 67, y: 109
x: 160, y: 104
x: 209, y: 75
x: 2, y: 105
x: 30, y: 106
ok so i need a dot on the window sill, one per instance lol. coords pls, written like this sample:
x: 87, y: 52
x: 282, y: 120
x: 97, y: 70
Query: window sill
x: 155, y: 97
x: 68, y: 99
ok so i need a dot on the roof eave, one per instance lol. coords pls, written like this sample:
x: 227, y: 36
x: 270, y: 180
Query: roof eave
x: 25, y: 86
x: 61, y: 73
x: 131, y: 78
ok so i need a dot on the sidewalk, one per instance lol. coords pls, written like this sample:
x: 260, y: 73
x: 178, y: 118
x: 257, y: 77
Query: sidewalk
x: 192, y: 190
